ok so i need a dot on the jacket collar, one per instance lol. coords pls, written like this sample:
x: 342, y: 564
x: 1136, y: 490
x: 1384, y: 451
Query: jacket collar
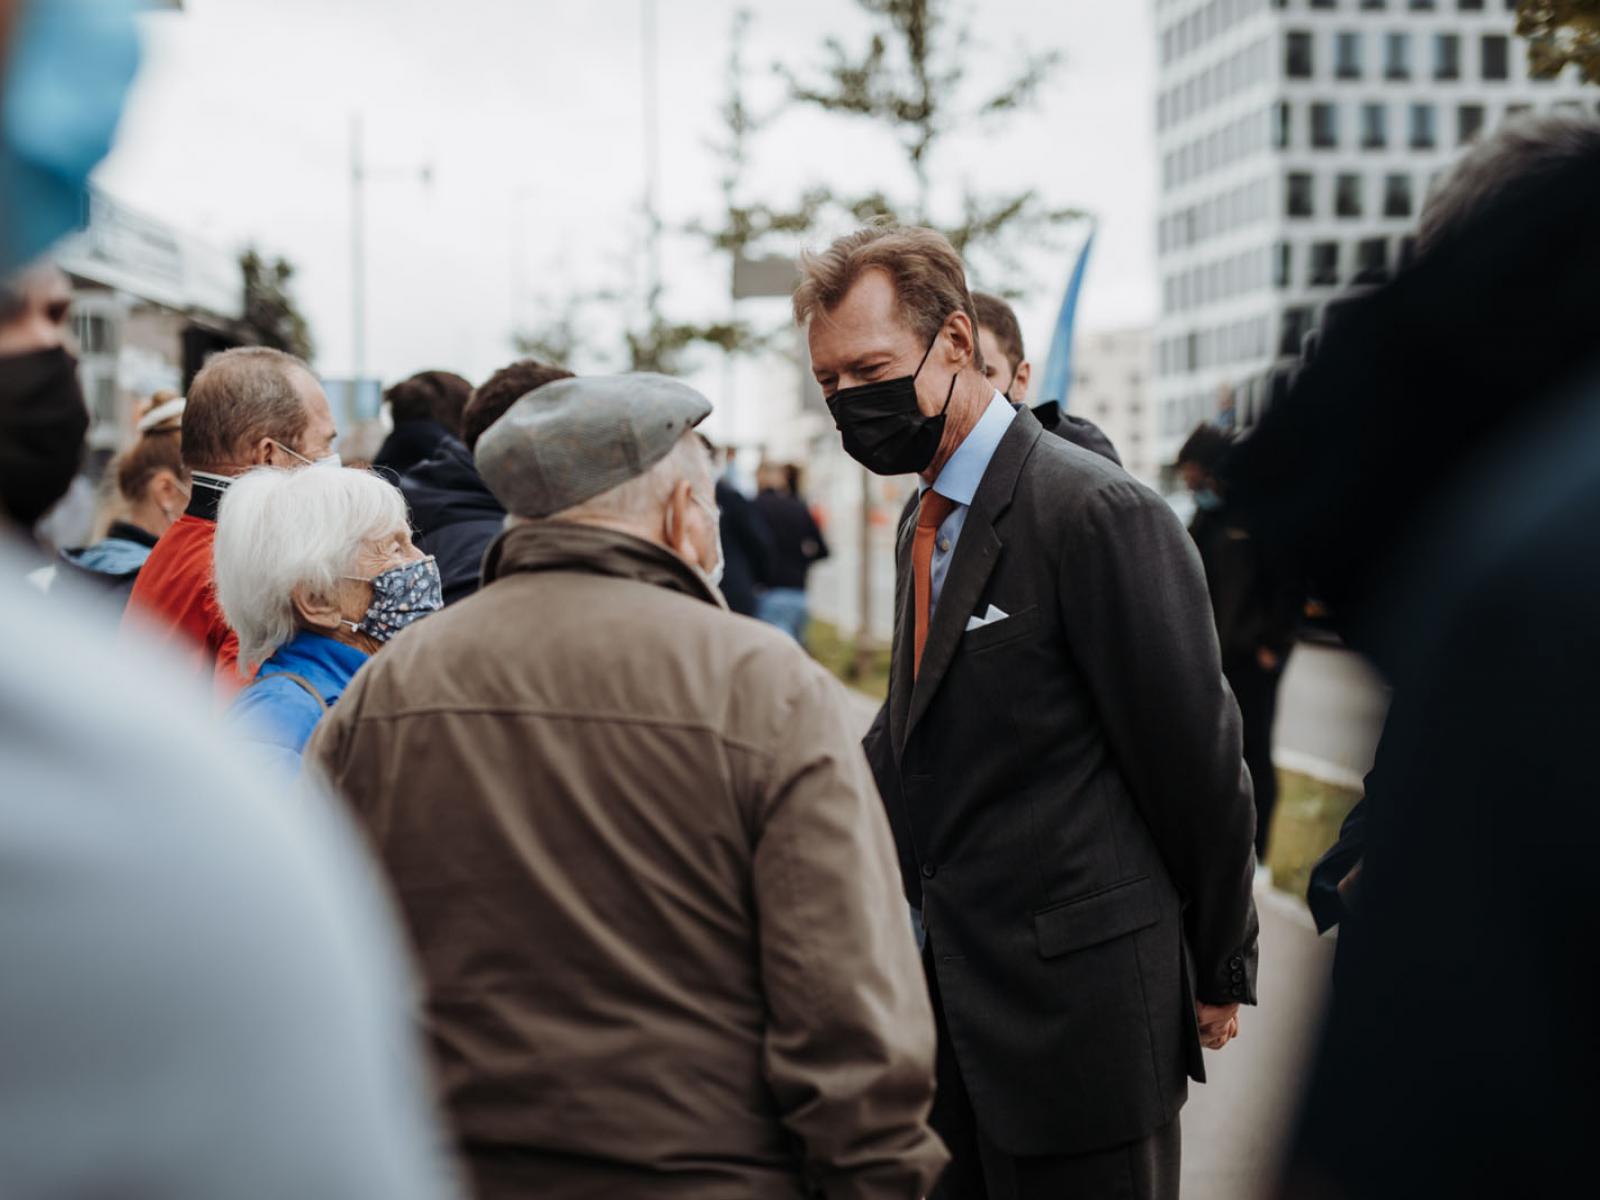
x: 977, y: 554
x: 588, y: 549
x: 205, y: 494
x: 328, y: 664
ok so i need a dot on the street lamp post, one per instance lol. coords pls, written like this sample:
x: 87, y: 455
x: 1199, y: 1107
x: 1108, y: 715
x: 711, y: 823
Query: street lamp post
x: 360, y: 172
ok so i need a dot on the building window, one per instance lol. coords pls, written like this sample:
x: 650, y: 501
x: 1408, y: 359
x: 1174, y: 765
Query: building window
x: 1282, y: 264
x: 1421, y: 5
x: 1423, y: 136
x: 1374, y: 126
x: 1347, y: 195
x: 1469, y: 5
x: 1374, y: 5
x: 1469, y: 122
x: 1324, y: 264
x: 1325, y: 126
x: 1447, y: 56
x: 1397, y: 56
x: 93, y: 333
x: 1372, y: 260
x: 1347, y: 57
x: 1297, y: 55
x: 1324, y: 4
x: 1296, y: 324
x: 1397, y: 196
x: 1496, y: 50
x: 1298, y: 196
x: 1281, y: 115
x: 1513, y: 111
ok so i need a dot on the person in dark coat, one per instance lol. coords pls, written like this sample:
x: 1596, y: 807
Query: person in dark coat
x: 746, y: 548
x: 1006, y: 365
x: 1255, y: 608
x: 797, y: 543
x: 1434, y: 470
x: 454, y: 514
x: 426, y: 409
x: 1059, y: 755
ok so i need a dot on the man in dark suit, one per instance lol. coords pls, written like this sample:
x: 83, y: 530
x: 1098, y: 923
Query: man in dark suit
x: 1059, y: 754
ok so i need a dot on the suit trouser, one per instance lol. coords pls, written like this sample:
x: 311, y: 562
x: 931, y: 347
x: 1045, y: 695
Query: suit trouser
x: 1256, y: 690
x: 1146, y: 1169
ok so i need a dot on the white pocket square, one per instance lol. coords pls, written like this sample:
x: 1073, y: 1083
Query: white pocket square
x: 989, y: 618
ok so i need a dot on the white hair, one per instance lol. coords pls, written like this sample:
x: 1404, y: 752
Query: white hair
x: 282, y: 529
x: 642, y: 499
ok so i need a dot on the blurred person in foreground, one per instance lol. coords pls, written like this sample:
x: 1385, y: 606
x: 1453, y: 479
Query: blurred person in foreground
x: 199, y: 1000
x: 1255, y: 607
x: 1006, y: 366
x: 1059, y: 754
x: 43, y: 419
x: 649, y: 884
x: 426, y: 409
x: 797, y: 544
x: 315, y: 571
x: 246, y: 408
x: 455, y: 515
x: 153, y: 488
x: 1436, y: 473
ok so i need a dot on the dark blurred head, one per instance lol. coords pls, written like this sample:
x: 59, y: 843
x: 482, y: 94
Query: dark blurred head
x: 1423, y: 380
x: 500, y: 391
x: 1005, y: 362
x: 1201, y: 455
x: 42, y: 415
x: 430, y: 396
x: 1524, y: 157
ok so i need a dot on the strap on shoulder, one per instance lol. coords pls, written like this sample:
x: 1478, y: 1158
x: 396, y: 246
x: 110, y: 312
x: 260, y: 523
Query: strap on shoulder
x: 301, y: 680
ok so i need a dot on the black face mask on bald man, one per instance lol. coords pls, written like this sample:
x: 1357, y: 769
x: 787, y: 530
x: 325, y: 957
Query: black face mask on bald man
x: 42, y: 426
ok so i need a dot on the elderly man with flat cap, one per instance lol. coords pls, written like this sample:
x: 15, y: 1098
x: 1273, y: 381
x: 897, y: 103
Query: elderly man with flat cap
x: 649, y: 881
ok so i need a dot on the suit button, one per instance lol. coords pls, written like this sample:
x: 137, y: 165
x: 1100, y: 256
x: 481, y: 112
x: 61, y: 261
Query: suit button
x: 1236, y: 962
x: 929, y: 870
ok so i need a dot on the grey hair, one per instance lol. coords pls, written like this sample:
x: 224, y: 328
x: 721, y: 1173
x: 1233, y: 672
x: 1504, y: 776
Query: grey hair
x: 282, y: 529
x: 643, y: 497
x: 1522, y: 148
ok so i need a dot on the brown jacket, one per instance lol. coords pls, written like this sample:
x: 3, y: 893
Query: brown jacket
x: 650, y: 885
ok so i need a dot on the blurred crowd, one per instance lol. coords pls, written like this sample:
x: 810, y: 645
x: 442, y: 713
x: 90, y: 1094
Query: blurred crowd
x: 473, y: 822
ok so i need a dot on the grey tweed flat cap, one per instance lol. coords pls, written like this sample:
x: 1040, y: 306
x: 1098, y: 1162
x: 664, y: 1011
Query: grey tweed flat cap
x: 571, y: 440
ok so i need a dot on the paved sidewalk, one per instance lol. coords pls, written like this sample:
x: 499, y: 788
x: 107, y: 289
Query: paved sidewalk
x: 1234, y: 1127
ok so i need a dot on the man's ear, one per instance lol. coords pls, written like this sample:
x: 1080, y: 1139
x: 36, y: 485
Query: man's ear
x: 963, y: 339
x: 1019, y: 385
x: 675, y: 519
x: 261, y: 453
x: 314, y: 610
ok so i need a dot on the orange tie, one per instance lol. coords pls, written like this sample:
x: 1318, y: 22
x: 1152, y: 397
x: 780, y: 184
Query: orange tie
x: 931, y: 513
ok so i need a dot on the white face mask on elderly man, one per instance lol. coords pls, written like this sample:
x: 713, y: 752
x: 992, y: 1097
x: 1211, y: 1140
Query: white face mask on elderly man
x: 715, y: 573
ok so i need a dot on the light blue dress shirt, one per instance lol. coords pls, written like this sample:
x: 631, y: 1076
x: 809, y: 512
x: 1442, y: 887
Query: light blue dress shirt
x: 959, y: 481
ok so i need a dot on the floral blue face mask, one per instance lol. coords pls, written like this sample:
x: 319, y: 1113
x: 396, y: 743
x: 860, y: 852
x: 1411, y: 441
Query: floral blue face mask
x: 400, y: 596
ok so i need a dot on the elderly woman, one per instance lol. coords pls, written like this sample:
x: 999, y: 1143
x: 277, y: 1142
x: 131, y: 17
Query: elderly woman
x: 315, y: 570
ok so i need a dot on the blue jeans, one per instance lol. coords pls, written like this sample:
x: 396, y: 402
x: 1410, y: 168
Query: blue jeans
x: 785, y: 608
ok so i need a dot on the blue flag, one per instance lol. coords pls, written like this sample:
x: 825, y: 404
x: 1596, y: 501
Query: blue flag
x: 1057, y: 381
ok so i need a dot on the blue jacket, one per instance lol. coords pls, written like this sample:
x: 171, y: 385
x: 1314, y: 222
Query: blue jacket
x: 277, y: 713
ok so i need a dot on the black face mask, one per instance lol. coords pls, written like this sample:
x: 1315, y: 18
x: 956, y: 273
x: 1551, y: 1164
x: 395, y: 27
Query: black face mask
x: 883, y: 428
x: 42, y: 425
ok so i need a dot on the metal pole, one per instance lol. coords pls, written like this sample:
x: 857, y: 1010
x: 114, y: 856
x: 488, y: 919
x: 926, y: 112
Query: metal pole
x: 358, y: 253
x: 652, y: 151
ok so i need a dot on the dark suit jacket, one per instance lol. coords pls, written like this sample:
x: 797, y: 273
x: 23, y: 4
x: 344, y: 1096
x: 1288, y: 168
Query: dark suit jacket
x: 1069, y: 800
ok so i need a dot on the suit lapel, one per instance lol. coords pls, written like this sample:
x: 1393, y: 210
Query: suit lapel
x: 977, y: 554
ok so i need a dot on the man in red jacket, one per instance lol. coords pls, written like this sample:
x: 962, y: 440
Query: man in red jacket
x: 249, y: 407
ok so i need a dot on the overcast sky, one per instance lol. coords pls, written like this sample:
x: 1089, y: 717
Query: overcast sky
x: 531, y: 115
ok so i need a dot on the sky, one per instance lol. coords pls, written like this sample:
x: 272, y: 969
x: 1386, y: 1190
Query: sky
x: 531, y: 116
